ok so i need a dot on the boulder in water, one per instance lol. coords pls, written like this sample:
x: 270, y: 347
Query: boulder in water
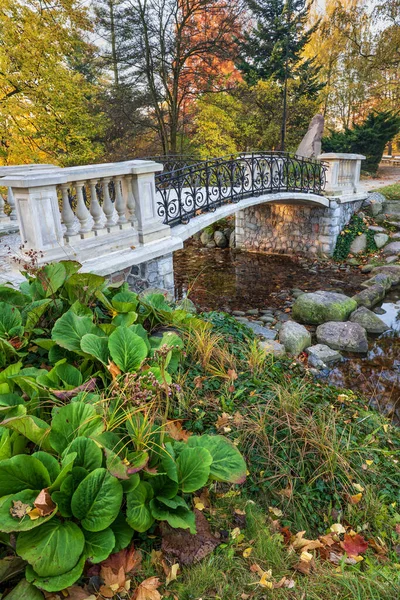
x: 349, y: 337
x: 318, y: 307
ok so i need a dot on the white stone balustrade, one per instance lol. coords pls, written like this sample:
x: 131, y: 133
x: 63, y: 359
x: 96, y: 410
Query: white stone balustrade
x: 86, y: 212
x: 9, y: 217
x: 343, y: 172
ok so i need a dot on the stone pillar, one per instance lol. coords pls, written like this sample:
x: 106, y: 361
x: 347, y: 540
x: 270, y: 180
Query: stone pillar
x: 239, y: 229
x: 149, y: 224
x: 39, y: 217
x: 343, y: 172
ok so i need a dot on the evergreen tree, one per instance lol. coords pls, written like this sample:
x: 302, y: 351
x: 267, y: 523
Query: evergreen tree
x: 368, y: 138
x: 274, y: 48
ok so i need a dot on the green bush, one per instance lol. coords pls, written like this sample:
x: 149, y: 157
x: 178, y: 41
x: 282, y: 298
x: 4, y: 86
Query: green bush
x: 368, y: 138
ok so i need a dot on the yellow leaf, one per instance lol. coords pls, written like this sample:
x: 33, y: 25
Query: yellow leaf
x: 264, y: 581
x: 235, y: 533
x: 34, y: 514
x: 173, y: 573
x: 276, y: 511
x: 358, y: 487
x: 198, y: 504
x: 338, y: 528
x: 369, y: 462
x: 356, y: 498
x: 306, y: 557
x: 247, y: 552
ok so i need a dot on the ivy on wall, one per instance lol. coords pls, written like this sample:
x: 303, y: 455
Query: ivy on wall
x: 355, y: 227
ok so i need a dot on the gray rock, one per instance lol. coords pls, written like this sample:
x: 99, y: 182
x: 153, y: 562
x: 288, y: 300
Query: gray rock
x: 367, y: 268
x: 376, y: 208
x: 393, y: 223
x: 375, y: 202
x: 379, y: 311
x: 380, y: 239
x: 352, y: 262
x: 272, y: 347
x: 206, y: 238
x: 367, y: 319
x: 283, y: 317
x: 370, y: 296
x: 267, y: 319
x: 264, y: 332
x: 252, y: 311
x: 379, y: 279
x: 220, y: 239
x: 211, y: 245
x: 232, y: 240
x: 359, y: 244
x: 227, y: 232
x: 392, y: 270
x: 296, y: 292
x: 321, y: 356
x: 310, y: 145
x: 391, y: 259
x: 377, y: 228
x: 238, y: 313
x: 349, y: 337
x: 294, y: 337
x: 392, y: 248
x: 380, y: 218
x: 317, y: 307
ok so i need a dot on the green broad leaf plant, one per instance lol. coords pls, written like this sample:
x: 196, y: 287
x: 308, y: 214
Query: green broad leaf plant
x: 82, y: 469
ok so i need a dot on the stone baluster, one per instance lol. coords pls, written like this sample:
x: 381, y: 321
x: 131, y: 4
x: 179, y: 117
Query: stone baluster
x: 67, y: 214
x: 11, y: 202
x: 119, y: 201
x: 108, y: 207
x: 81, y: 211
x: 95, y: 208
x: 130, y: 201
x: 3, y: 216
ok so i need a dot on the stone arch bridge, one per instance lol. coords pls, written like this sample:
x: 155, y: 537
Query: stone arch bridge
x: 125, y: 220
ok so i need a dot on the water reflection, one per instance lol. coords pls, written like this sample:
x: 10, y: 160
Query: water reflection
x: 226, y: 279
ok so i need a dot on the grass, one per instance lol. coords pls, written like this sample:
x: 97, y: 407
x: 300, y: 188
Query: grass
x: 309, y: 448
x: 391, y: 192
x: 228, y: 575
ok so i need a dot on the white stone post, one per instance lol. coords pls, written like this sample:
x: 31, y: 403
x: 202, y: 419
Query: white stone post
x: 343, y: 172
x: 149, y: 224
x: 39, y: 217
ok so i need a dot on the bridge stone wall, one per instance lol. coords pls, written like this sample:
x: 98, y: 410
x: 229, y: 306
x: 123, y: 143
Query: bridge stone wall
x: 289, y: 228
x: 156, y: 273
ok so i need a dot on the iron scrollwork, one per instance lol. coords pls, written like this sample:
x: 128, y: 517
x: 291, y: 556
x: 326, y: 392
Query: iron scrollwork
x: 204, y: 186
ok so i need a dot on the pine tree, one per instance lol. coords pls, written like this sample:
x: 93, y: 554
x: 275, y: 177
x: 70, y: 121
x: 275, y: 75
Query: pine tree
x: 274, y: 48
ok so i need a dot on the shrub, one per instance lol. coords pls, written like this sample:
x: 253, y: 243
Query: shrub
x: 368, y: 138
x: 87, y: 456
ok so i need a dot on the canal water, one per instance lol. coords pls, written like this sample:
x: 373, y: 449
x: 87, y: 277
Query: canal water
x: 232, y: 280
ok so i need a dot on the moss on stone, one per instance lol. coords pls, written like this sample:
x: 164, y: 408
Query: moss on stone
x: 319, y: 307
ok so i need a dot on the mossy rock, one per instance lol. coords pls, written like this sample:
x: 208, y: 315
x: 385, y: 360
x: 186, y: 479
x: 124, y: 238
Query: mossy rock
x: 319, y: 307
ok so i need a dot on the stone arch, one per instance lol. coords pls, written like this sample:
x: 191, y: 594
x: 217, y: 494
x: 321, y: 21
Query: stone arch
x: 196, y: 224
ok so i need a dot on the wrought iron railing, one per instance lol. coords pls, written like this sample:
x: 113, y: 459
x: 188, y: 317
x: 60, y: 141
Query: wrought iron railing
x: 206, y: 185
